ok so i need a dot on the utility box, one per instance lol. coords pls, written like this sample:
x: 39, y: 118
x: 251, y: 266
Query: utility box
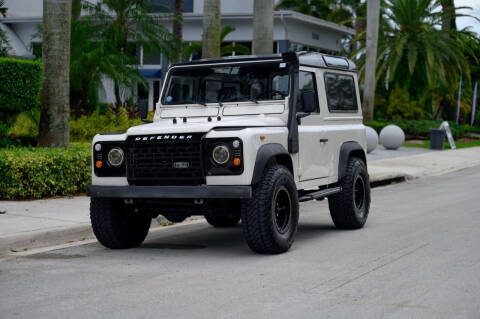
x: 437, y: 138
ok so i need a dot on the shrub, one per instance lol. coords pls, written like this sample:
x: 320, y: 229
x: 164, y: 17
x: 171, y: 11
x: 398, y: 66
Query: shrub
x: 401, y: 107
x: 26, y: 124
x: 4, y: 140
x: 84, y: 128
x: 20, y: 84
x: 43, y: 172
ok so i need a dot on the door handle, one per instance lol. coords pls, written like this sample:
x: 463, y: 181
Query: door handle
x: 323, y: 140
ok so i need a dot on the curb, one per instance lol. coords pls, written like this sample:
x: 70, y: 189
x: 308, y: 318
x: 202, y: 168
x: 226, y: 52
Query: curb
x: 67, y: 235
x: 40, y: 238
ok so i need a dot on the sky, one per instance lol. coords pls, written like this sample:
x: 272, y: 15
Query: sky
x: 469, y: 22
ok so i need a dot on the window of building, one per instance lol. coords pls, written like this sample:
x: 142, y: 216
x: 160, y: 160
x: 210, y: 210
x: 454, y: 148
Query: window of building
x: 341, y: 94
x: 162, y: 6
x: 306, y: 82
x: 151, y: 57
x: 133, y: 49
x: 37, y: 49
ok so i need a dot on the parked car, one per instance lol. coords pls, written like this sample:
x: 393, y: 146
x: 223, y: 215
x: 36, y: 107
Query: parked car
x: 239, y: 138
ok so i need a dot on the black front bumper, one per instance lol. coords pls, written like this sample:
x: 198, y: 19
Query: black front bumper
x: 201, y: 192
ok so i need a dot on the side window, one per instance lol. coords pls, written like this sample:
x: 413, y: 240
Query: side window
x: 307, y: 83
x: 341, y: 95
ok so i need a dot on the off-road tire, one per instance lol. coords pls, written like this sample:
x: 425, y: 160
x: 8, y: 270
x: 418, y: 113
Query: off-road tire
x: 347, y: 208
x: 224, y: 219
x: 115, y: 226
x: 260, y: 219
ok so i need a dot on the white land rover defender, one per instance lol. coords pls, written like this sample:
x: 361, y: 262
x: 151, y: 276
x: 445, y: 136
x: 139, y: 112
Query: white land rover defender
x: 245, y: 138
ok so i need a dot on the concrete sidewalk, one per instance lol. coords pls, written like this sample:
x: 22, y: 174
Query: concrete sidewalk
x: 424, y: 164
x: 37, y: 223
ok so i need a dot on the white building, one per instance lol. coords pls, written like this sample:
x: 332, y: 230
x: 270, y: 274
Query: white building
x: 292, y: 31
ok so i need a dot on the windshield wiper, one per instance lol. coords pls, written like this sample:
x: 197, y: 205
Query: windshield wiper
x: 195, y: 102
x: 244, y: 97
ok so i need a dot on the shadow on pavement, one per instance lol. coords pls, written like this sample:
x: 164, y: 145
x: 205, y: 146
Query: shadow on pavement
x: 223, y: 241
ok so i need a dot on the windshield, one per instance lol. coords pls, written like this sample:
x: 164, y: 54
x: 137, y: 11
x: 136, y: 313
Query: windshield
x: 232, y: 83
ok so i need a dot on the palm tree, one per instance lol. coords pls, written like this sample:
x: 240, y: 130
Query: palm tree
x: 55, y: 112
x: 226, y: 49
x: 448, y: 10
x: 123, y: 26
x: 178, y: 24
x: 414, y: 52
x: 373, y: 15
x: 262, y: 27
x: 211, y: 29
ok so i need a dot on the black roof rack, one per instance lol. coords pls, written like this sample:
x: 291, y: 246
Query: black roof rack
x: 305, y: 58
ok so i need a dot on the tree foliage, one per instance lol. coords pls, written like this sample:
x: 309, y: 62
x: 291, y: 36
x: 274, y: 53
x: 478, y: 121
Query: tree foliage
x: 414, y: 51
x: 106, y: 41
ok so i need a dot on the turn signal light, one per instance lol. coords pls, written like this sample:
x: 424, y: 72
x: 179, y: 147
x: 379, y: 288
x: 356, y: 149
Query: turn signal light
x: 98, y: 164
x: 237, y: 161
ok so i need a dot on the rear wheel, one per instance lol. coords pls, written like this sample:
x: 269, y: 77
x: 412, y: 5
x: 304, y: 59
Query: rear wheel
x: 349, y: 208
x: 117, y: 226
x: 270, y: 217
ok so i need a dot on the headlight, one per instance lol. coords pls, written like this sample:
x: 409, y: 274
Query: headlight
x: 220, y: 154
x: 115, y: 157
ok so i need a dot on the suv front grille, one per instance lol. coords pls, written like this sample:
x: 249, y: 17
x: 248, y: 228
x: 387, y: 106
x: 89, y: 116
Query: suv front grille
x: 165, y: 159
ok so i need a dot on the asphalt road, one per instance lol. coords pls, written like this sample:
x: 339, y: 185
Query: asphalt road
x: 417, y: 257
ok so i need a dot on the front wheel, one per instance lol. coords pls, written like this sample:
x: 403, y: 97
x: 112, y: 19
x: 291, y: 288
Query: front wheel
x: 116, y: 226
x: 270, y: 217
x: 349, y: 208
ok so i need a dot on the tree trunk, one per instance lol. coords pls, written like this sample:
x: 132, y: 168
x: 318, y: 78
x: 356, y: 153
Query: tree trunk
x: 448, y: 11
x: 178, y: 26
x: 262, y: 27
x: 373, y: 16
x: 118, y: 98
x: 54, y: 127
x: 211, y: 29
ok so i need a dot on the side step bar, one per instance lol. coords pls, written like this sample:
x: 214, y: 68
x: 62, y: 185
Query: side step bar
x: 320, y: 194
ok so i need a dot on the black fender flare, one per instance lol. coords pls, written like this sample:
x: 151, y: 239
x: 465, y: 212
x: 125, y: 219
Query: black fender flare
x: 347, y: 150
x: 268, y: 153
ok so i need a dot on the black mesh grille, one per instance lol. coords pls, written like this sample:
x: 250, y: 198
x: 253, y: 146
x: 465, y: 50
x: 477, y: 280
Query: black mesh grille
x: 157, y: 160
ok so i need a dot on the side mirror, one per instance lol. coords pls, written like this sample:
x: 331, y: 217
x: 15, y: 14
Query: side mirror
x: 309, y: 101
x: 143, y: 108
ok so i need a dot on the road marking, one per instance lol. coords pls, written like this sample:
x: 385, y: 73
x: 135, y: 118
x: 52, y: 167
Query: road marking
x: 378, y: 264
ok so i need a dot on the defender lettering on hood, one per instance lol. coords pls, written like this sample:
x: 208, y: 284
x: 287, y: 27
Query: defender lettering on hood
x: 163, y: 137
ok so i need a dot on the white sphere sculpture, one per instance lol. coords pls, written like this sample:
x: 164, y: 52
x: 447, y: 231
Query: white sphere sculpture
x: 392, y: 137
x: 372, y: 139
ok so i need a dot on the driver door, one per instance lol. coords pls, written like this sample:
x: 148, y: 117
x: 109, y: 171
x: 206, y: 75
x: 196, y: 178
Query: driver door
x: 313, y: 151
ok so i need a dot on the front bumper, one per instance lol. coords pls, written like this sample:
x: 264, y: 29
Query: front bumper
x: 200, y: 192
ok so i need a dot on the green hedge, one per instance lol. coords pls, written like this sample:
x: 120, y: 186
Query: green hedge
x: 20, y: 84
x: 43, y: 172
x: 421, y: 129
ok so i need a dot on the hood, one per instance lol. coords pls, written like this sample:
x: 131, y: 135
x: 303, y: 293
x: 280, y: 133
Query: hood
x: 201, y: 124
